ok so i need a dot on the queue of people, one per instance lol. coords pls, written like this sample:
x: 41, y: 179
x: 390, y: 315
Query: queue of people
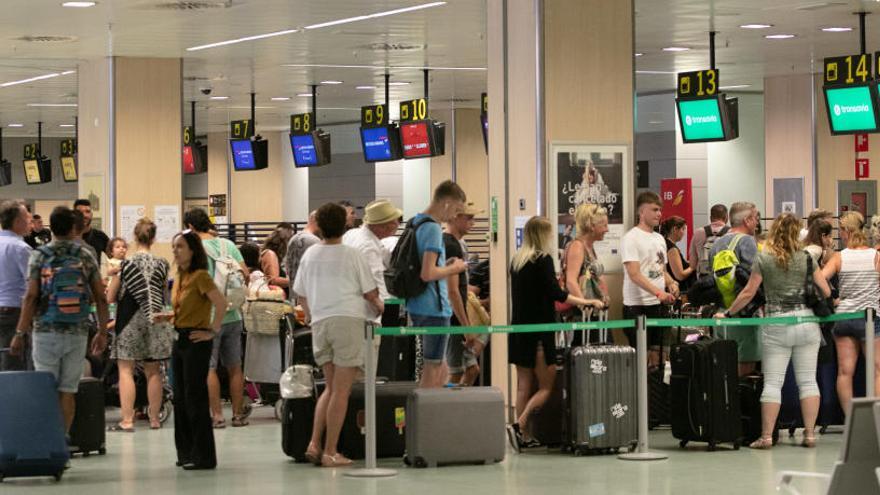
x: 337, y: 273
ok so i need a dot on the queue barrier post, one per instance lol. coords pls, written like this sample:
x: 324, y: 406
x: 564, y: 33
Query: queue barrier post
x: 870, y: 390
x: 643, y: 452
x: 370, y: 469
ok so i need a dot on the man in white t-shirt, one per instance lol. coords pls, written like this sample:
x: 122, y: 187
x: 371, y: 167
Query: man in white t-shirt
x: 646, y: 285
x: 338, y: 294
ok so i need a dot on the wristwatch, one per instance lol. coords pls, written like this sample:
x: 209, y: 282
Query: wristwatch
x: 20, y: 333
x: 727, y: 314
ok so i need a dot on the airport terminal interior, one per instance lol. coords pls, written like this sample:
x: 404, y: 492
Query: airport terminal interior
x: 261, y: 126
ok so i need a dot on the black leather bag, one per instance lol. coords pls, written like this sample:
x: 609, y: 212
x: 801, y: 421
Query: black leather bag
x: 813, y: 297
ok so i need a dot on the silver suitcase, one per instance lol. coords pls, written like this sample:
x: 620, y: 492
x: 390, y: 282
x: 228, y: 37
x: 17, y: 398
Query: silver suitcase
x: 602, y: 397
x: 455, y: 426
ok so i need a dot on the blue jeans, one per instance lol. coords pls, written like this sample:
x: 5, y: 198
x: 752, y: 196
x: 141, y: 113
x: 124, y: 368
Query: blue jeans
x: 433, y: 346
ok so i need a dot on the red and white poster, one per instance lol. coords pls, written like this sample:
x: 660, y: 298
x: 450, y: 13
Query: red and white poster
x: 678, y: 200
x: 861, y: 142
x: 862, y: 168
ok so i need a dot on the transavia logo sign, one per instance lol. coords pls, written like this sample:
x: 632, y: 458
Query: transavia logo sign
x: 708, y: 119
x: 841, y: 109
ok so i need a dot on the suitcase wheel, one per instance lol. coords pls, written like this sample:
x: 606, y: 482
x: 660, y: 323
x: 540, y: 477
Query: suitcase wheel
x: 406, y: 460
x: 791, y: 432
x: 86, y: 453
x: 736, y: 445
x: 633, y: 446
x: 711, y: 447
x: 58, y: 475
x: 823, y: 429
x: 419, y: 462
x: 683, y: 443
x: 102, y: 451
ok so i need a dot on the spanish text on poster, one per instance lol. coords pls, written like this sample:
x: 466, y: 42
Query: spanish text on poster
x: 128, y: 218
x: 167, y: 222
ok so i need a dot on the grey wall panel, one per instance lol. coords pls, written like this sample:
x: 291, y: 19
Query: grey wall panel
x: 348, y: 177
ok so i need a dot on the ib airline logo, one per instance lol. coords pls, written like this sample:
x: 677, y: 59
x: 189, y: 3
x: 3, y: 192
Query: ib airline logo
x: 841, y: 109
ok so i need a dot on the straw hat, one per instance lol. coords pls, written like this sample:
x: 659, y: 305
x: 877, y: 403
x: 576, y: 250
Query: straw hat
x: 381, y: 211
x: 471, y: 210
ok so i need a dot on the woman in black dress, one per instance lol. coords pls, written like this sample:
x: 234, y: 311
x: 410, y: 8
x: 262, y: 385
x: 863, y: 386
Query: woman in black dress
x: 534, y: 289
x: 674, y: 229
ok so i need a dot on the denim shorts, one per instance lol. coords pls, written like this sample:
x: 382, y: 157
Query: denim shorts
x: 227, y: 345
x: 63, y: 355
x: 854, y: 328
x: 433, y: 346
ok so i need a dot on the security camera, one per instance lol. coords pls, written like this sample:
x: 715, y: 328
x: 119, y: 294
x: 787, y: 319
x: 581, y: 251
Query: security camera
x: 206, y: 91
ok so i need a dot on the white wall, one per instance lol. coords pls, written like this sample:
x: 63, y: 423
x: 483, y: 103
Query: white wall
x: 736, y: 168
x: 692, y: 160
x: 295, y: 189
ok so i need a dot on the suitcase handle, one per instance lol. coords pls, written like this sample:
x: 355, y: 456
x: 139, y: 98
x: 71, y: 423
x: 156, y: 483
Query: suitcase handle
x: 602, y: 316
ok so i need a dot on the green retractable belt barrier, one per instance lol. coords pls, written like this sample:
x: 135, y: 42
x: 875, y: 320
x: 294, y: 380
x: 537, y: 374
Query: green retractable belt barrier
x: 749, y: 322
x: 537, y: 327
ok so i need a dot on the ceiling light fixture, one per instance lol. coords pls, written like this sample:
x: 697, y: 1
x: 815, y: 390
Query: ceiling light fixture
x: 399, y: 83
x: 676, y: 49
x: 639, y: 54
x: 654, y: 72
x: 365, y: 87
x: 304, y: 95
x: 65, y: 125
x: 15, y: 125
x: 837, y: 29
x: 52, y: 104
x: 219, y: 97
x: 381, y: 67
x: 79, y: 5
x: 779, y: 36
x: 242, y: 40
x: 735, y: 86
x: 37, y: 78
x: 316, y: 26
x: 280, y: 98
x: 331, y: 82
x: 376, y: 15
x: 756, y: 26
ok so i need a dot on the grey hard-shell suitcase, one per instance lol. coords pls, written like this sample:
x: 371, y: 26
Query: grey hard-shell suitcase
x: 602, y: 402
x: 455, y: 426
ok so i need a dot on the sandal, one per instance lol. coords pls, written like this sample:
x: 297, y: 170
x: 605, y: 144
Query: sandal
x: 119, y: 427
x: 219, y: 424
x: 314, y: 456
x: 239, y: 421
x: 333, y: 461
x: 762, y: 443
x: 809, y: 442
x: 155, y: 425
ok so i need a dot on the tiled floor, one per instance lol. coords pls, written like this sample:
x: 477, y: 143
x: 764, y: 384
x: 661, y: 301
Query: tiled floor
x: 251, y: 461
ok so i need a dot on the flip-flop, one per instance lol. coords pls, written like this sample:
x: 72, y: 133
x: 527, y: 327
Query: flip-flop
x: 219, y: 425
x: 118, y: 427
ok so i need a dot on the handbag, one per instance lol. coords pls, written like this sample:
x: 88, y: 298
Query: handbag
x: 264, y: 316
x: 813, y: 299
x: 563, y: 307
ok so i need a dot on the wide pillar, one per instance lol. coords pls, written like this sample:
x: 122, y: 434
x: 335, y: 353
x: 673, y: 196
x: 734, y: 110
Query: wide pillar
x: 130, y: 118
x: 560, y: 72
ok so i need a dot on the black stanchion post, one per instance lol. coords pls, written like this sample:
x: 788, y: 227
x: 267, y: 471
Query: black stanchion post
x: 370, y: 469
x: 642, y: 453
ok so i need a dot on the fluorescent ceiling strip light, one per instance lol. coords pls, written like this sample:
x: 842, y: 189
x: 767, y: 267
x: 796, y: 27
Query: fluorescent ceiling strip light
x: 383, y: 67
x: 65, y: 125
x: 365, y: 87
x: 376, y: 15
x: 654, y: 72
x: 37, y: 78
x: 242, y: 40
x: 735, y: 86
x: 15, y: 125
x: 81, y: 5
x: 315, y: 26
x: 51, y: 104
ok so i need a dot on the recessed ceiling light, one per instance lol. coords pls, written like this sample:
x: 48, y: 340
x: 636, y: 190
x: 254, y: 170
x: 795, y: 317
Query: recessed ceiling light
x: 376, y: 15
x: 80, y: 5
x: 280, y: 98
x: 735, y: 86
x: 676, y: 49
x: 15, y: 125
x: 331, y: 82
x: 756, y: 26
x: 304, y: 95
x: 399, y: 83
x: 65, y: 125
x: 365, y: 87
x: 51, y: 104
x: 219, y: 97
x: 837, y: 29
x: 779, y: 36
x: 639, y: 54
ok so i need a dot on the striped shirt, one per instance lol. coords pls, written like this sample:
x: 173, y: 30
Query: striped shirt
x: 859, y: 280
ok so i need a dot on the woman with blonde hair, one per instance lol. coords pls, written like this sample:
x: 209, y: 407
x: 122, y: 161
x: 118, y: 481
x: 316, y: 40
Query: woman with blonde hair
x: 583, y: 273
x: 859, y: 269
x: 782, y: 268
x: 534, y: 290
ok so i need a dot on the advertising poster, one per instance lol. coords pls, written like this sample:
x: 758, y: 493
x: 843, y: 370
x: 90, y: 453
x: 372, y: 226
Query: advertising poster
x: 584, y: 173
x: 128, y: 218
x: 167, y: 218
x: 677, y: 196
x: 91, y: 187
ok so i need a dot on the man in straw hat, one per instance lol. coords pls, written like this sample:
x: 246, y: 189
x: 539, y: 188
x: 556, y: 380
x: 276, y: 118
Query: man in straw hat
x: 381, y: 219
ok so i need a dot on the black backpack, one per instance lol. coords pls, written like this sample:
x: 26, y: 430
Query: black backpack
x: 403, y: 278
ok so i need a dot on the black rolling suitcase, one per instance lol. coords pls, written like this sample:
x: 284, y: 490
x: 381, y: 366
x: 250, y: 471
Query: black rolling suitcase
x: 704, y: 390
x: 397, y: 358
x: 88, y: 431
x: 297, y: 416
x: 390, y: 421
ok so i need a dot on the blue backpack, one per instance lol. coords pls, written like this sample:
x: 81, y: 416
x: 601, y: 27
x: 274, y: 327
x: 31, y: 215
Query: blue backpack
x: 64, y: 290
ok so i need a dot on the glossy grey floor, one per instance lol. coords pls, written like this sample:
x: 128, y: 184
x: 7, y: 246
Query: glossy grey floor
x: 251, y: 461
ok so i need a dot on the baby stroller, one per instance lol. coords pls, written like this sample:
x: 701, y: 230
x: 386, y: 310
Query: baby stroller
x: 110, y: 378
